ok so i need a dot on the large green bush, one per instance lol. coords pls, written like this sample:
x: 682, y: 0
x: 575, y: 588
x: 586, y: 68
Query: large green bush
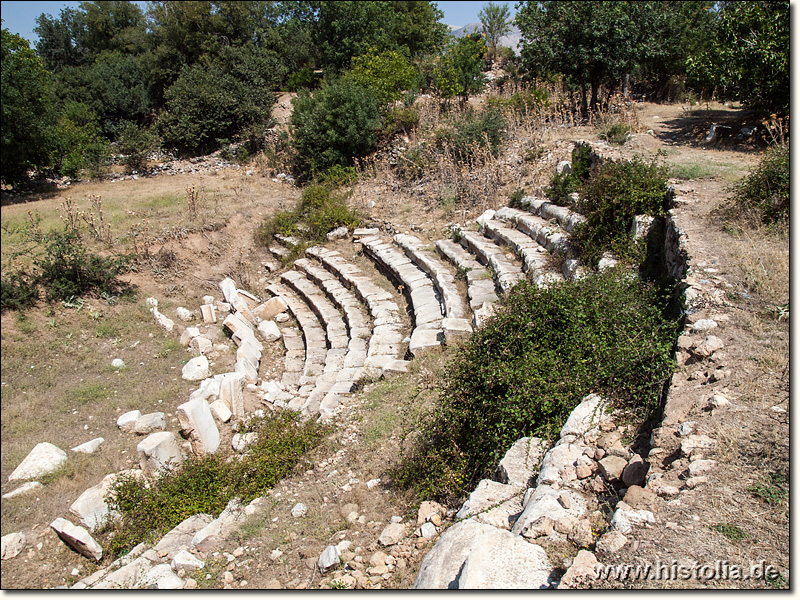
x: 388, y: 74
x: 610, y: 198
x: 530, y: 365
x: 335, y: 126
x: 764, y: 193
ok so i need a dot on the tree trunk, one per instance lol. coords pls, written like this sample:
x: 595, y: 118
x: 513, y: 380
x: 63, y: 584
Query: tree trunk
x: 584, y: 107
x: 595, y: 87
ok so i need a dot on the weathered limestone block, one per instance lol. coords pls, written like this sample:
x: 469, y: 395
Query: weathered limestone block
x: 196, y: 369
x: 157, y: 451
x: 545, y: 502
x: 91, y: 508
x: 493, y: 503
x: 89, y: 447
x: 520, y: 462
x: 197, y: 424
x: 150, y: 423
x: 502, y: 560
x: 585, y: 417
x: 127, y: 421
x: 43, y: 459
x: 77, y: 538
x: 440, y: 567
x: 268, y: 310
x: 269, y: 330
x: 209, y: 313
x: 220, y: 411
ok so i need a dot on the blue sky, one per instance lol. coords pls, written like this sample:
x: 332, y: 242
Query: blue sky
x: 20, y: 17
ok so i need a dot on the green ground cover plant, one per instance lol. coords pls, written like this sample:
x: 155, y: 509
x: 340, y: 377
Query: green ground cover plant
x: 207, y: 484
x: 764, y: 193
x: 530, y: 365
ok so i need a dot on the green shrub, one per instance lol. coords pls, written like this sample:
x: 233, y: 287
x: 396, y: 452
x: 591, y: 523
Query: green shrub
x: 530, y: 365
x: 615, y: 133
x: 764, y: 193
x: 305, y: 78
x: 610, y: 198
x: 527, y: 102
x: 81, y: 146
x: 562, y: 186
x: 206, y: 485
x: 469, y: 132
x: 136, y: 143
x: 400, y: 120
x: 515, y: 199
x: 335, y: 126
x: 68, y: 269
x: 320, y: 211
x: 18, y: 291
x: 387, y: 74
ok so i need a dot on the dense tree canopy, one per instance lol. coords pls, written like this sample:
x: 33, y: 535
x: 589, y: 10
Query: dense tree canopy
x: 495, y: 23
x: 27, y: 117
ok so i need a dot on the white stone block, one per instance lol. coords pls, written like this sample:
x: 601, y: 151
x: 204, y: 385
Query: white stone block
x: 43, y: 459
x: 127, y: 421
x: 157, y: 451
x: 89, y: 447
x: 197, y: 424
x: 77, y: 538
x: 196, y: 369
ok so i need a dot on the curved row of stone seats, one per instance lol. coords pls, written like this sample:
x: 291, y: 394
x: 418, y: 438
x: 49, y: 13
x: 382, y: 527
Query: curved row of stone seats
x: 480, y: 285
x: 295, y: 357
x: 316, y: 349
x: 568, y: 219
x: 506, y: 273
x: 426, y: 306
x: 534, y: 257
x: 279, y: 252
x: 546, y: 234
x: 331, y: 386
x: 456, y: 322
x: 385, y: 349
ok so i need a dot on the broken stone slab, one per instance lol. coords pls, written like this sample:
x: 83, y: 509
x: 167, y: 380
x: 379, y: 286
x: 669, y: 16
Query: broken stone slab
x: 209, y: 313
x: 697, y: 444
x: 180, y: 536
x: 161, y: 577
x: 187, y: 561
x: 329, y: 558
x: 520, y: 462
x: 43, y: 459
x: 585, y: 417
x: 561, y: 456
x: 440, y: 567
x: 428, y: 510
x: 184, y: 314
x: 611, y: 541
x: 544, y: 502
x: 197, y: 424
x: 196, y: 369
x: 23, y: 489
x: 267, y: 311
x: 641, y: 499
x: 339, y: 233
x: 161, y: 320
x: 220, y: 411
x: 127, y: 421
x: 201, y: 344
x: 392, y: 534
x: 206, y: 538
x: 158, y: 451
x: 626, y: 518
x: 91, y: 509
x: 209, y: 389
x: 501, y: 559
x: 707, y: 347
x: 128, y: 575
x: 77, y: 538
x: 11, y: 545
x: 89, y: 447
x: 232, y: 392
x: 698, y: 467
x: 611, y: 467
x: 269, y: 330
x: 150, y: 423
x: 428, y: 531
x: 703, y: 325
x: 493, y: 503
x: 423, y: 340
x: 456, y: 329
x: 582, y: 571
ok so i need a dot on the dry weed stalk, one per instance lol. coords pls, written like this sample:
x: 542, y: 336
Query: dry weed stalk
x: 192, y: 201
x: 97, y: 222
x: 69, y: 216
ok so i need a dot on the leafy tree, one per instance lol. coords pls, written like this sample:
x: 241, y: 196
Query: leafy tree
x: 58, y: 44
x: 80, y: 144
x: 387, y: 74
x: 335, y: 126
x: 418, y: 27
x: 748, y: 59
x: 350, y: 28
x: 589, y: 43
x: 495, y: 23
x: 211, y: 102
x: 460, y: 70
x: 27, y: 110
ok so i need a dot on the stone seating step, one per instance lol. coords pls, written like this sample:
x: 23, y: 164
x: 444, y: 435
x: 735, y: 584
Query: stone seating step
x: 506, y: 273
x: 568, y: 219
x: 480, y: 285
x: 426, y: 306
x: 534, y: 257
